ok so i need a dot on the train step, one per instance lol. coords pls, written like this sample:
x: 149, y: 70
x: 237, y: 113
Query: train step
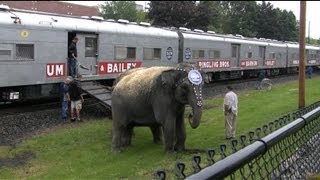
x: 98, y: 91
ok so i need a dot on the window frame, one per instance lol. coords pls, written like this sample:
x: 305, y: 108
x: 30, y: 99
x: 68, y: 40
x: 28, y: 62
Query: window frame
x: 152, y: 52
x: 94, y: 47
x: 197, y: 52
x: 126, y: 52
x: 17, y: 58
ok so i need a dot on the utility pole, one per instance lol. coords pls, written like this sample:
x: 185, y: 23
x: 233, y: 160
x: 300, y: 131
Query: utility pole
x: 301, y: 54
x: 309, y: 33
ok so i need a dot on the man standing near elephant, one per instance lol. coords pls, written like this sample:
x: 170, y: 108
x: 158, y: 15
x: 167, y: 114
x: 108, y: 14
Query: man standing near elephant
x: 230, y: 108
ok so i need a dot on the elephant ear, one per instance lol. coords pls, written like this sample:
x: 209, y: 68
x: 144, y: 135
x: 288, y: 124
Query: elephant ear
x: 170, y: 78
x: 204, y: 76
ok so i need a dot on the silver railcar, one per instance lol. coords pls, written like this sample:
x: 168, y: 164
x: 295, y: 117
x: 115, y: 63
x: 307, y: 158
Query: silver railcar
x: 34, y: 50
x: 34, y: 46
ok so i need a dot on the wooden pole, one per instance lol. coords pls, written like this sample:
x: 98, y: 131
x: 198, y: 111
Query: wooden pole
x: 309, y: 33
x: 302, y: 34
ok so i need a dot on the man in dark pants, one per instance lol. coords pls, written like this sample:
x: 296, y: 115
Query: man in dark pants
x: 309, y: 71
x: 65, y: 98
x: 72, y: 55
x: 261, y: 76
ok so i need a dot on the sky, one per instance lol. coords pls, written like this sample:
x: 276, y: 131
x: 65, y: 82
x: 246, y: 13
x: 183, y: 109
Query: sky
x: 312, y: 14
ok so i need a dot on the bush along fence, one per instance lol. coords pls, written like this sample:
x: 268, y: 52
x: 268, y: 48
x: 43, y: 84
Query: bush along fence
x: 287, y: 148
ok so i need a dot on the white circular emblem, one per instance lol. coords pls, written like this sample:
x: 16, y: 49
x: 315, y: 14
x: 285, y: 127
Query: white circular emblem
x: 195, y: 77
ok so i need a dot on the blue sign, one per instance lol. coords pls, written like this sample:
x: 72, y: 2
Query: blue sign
x: 187, y: 53
x: 169, y: 53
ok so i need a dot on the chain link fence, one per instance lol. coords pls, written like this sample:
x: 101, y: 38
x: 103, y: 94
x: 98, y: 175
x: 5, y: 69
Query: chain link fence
x: 287, y: 148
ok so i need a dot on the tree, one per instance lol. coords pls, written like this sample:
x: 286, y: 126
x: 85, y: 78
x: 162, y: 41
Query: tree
x: 201, y: 17
x: 121, y: 10
x: 240, y: 17
x: 215, y: 17
x: 291, y: 27
x: 171, y: 13
x: 313, y: 41
x: 276, y: 24
x: 266, y: 21
x: 141, y: 16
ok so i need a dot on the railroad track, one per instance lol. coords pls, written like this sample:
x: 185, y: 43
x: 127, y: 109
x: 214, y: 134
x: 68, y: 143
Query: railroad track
x: 12, y: 109
x: 218, y: 88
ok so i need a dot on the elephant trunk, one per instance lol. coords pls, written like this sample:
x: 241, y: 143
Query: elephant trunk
x: 195, y: 116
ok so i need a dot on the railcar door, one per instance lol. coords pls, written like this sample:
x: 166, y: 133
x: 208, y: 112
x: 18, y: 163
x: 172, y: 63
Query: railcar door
x: 235, y: 55
x: 262, y: 55
x: 87, y: 54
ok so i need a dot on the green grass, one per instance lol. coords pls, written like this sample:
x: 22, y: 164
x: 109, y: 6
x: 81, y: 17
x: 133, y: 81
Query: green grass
x: 83, y: 151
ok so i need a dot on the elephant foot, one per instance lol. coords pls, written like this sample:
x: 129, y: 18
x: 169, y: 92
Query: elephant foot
x: 158, y: 141
x: 126, y: 143
x: 116, y: 151
x: 170, y: 151
x: 179, y: 148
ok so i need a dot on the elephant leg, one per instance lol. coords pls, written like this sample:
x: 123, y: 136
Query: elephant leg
x: 180, y: 132
x: 127, y: 136
x: 116, y: 138
x: 157, y: 133
x: 169, y: 132
x: 118, y: 129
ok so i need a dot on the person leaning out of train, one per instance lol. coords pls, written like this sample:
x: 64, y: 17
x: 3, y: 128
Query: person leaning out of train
x: 72, y: 55
x: 65, y: 97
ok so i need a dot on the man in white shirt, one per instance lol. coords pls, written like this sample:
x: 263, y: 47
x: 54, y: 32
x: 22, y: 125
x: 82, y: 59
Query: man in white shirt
x: 230, y: 108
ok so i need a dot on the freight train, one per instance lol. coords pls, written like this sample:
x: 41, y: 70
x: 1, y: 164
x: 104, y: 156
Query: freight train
x: 34, y: 51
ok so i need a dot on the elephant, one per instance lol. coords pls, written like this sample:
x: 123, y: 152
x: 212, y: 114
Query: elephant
x: 156, y: 97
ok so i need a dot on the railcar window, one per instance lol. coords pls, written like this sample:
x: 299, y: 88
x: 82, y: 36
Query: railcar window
x: 120, y: 53
x: 157, y: 53
x: 214, y: 54
x: 279, y: 56
x: 24, y: 51
x: 249, y: 55
x: 151, y: 53
x: 272, y: 55
x: 293, y: 55
x: 211, y: 54
x: 5, y: 53
x: 313, y: 56
x: 131, y: 52
x: 91, y: 47
x: 197, y: 54
x: 318, y: 54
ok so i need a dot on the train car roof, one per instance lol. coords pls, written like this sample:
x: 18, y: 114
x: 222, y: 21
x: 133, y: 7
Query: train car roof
x: 312, y: 47
x: 71, y: 23
x: 231, y: 38
x: 85, y: 24
x: 296, y: 45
